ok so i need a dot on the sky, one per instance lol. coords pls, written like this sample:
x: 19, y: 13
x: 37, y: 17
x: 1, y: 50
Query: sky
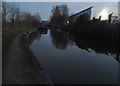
x: 44, y: 8
x: 61, y: 0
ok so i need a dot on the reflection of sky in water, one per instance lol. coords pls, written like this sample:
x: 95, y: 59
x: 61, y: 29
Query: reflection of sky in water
x: 74, y: 65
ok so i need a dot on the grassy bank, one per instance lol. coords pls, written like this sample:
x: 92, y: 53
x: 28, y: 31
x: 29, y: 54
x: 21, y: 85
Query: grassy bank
x: 7, y: 38
x: 8, y: 35
x: 23, y: 66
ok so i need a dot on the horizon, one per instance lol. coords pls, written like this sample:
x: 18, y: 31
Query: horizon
x: 62, y: 1
x: 44, y: 8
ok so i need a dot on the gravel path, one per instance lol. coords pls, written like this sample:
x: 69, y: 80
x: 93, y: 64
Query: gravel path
x: 22, y: 67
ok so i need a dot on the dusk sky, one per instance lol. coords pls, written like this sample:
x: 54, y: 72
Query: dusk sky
x: 44, y: 8
x: 62, y: 0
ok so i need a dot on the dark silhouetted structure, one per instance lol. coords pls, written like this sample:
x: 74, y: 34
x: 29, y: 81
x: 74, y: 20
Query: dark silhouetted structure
x: 74, y: 17
x: 109, y: 17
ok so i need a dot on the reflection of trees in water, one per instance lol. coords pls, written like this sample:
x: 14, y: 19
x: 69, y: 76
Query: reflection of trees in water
x: 34, y: 36
x: 59, y: 39
x: 117, y: 57
x: 38, y: 37
x: 71, y: 43
x: 99, y: 46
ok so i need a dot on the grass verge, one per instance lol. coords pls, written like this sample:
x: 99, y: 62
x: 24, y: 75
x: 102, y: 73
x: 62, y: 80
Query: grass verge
x: 8, y: 35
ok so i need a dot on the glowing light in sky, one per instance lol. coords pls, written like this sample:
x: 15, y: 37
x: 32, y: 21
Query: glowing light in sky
x: 104, y: 14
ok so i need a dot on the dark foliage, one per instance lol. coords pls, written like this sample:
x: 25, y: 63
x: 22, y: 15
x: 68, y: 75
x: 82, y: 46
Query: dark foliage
x: 96, y: 29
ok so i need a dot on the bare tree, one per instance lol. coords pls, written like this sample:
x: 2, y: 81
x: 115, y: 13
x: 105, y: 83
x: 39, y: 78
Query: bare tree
x: 65, y: 14
x: 14, y: 14
x: 16, y: 18
x: 5, y: 11
x: 37, y: 16
x: 59, y: 14
x: 30, y: 20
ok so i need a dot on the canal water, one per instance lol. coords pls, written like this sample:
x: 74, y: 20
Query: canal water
x: 71, y: 61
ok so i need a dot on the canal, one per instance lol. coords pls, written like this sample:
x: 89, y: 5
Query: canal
x: 69, y: 60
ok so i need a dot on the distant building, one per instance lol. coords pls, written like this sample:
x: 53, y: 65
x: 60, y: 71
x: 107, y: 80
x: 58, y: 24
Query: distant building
x: 44, y: 23
x: 86, y: 11
x: 0, y: 16
x: 0, y: 19
x: 119, y: 9
x: 114, y: 19
x: 0, y: 5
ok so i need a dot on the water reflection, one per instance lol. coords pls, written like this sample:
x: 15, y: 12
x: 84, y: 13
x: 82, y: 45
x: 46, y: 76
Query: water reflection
x: 59, y: 39
x: 34, y: 36
x: 98, y: 46
x: 74, y: 60
x: 37, y: 34
x: 43, y: 30
x: 62, y: 40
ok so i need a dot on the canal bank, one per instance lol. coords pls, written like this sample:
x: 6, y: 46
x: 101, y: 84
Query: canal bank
x: 22, y: 67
